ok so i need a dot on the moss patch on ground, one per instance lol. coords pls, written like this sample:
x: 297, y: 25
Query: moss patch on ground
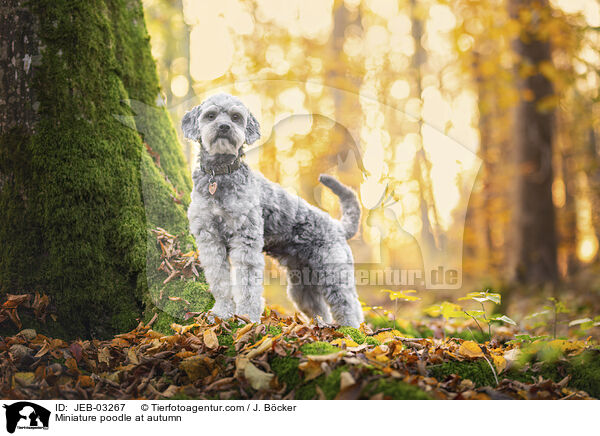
x: 356, y: 335
x: 478, y: 371
x: 286, y: 369
x: 319, y: 348
x: 396, y: 390
x: 584, y: 370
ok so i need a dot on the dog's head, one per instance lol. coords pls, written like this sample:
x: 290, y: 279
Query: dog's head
x: 222, y: 124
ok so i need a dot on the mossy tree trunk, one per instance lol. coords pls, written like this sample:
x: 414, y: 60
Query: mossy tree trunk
x: 79, y: 190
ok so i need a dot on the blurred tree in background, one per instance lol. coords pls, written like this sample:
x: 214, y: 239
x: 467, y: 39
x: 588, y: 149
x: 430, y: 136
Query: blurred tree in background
x: 410, y: 102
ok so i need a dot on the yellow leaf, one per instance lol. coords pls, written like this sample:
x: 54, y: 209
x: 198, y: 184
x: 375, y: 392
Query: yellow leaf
x: 387, y: 336
x: 470, y: 349
x: 433, y: 311
x: 210, y: 339
x: 499, y: 362
x: 379, y: 353
x: 311, y: 369
x: 265, y: 344
x: 242, y: 331
x: 24, y: 378
x: 451, y: 310
x: 341, y: 341
x: 402, y: 295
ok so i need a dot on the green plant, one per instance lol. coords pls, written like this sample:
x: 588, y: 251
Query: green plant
x: 482, y: 297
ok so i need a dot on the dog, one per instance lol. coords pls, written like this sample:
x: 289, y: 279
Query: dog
x: 236, y: 214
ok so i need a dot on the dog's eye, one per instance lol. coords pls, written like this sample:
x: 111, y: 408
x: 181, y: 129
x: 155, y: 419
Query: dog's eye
x: 236, y: 117
x: 210, y: 115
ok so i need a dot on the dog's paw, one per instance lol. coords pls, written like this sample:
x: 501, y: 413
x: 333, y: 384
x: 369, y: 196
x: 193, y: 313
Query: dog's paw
x: 223, y: 313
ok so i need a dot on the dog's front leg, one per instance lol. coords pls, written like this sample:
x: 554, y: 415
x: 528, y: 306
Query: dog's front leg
x: 213, y: 259
x: 248, y: 263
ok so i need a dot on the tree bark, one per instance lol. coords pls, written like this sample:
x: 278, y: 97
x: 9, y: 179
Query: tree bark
x: 535, y: 246
x: 78, y: 187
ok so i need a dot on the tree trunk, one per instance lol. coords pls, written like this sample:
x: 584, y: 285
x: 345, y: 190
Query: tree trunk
x: 535, y: 239
x: 78, y: 186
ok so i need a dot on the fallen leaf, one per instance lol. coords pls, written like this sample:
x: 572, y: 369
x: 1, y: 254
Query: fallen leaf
x: 470, y: 349
x: 241, y: 332
x: 346, y: 380
x: 499, y: 362
x: 210, y: 339
x: 387, y: 336
x: 258, y: 379
x: 132, y: 356
x: 311, y: 369
x: 24, y: 378
x: 104, y: 356
x: 344, y: 342
x: 196, y: 367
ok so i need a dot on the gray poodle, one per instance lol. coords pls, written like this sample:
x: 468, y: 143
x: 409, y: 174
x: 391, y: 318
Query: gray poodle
x: 236, y: 214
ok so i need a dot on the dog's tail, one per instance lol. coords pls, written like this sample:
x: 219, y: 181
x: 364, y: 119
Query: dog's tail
x: 350, y: 206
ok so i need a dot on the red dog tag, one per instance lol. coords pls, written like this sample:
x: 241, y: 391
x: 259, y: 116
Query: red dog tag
x: 212, y: 188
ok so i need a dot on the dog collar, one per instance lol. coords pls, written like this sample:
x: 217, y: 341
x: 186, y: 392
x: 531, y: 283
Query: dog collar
x: 219, y: 170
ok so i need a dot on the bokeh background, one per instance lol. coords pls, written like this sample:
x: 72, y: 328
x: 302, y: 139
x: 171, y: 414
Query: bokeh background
x: 415, y: 104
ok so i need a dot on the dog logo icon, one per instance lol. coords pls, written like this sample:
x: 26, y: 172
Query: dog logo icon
x: 26, y: 415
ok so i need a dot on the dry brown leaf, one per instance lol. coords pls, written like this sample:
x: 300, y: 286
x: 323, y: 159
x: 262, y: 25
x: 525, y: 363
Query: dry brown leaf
x: 196, y: 367
x: 210, y: 339
x: 258, y: 379
x: 346, y: 380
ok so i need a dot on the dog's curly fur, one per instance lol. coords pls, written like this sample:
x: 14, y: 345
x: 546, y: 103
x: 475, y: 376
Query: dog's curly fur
x: 248, y: 214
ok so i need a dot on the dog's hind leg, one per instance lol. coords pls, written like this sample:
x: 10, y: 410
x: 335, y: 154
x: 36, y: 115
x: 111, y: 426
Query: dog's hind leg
x: 307, y: 298
x: 344, y: 304
x: 337, y: 286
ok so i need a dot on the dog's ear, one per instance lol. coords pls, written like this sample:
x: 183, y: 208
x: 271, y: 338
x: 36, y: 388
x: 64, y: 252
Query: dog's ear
x: 189, y: 123
x: 252, y: 129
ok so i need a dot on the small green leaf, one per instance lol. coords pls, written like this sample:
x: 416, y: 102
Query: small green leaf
x: 477, y: 314
x: 504, y: 318
x: 579, y: 321
x: 543, y: 312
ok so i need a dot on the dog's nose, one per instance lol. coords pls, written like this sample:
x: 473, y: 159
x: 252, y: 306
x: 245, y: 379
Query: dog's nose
x: 223, y: 128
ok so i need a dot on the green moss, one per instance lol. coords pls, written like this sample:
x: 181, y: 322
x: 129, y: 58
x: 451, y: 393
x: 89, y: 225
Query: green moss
x: 478, y: 371
x: 585, y: 372
x: 274, y: 330
x: 319, y: 348
x: 396, y: 390
x: 286, y: 369
x: 473, y: 335
x: 583, y: 369
x: 194, y: 292
x: 379, y: 322
x: 356, y: 335
x: 371, y: 340
x: 329, y: 384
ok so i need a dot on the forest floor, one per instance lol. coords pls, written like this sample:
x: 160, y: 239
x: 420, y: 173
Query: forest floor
x: 447, y: 352
x: 293, y: 358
